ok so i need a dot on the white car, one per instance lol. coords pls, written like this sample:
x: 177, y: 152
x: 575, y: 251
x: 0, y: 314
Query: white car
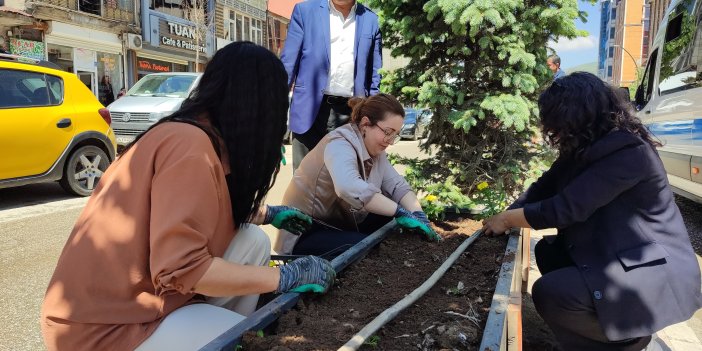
x: 153, y: 97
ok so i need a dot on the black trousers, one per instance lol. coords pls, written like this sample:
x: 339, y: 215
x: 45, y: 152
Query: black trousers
x: 564, y: 301
x: 333, y: 113
x: 329, y: 243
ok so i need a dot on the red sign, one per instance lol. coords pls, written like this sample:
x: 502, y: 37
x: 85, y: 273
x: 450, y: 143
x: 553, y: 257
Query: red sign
x: 153, y: 66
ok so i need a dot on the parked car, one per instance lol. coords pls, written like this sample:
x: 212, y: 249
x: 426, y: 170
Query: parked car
x: 416, y: 123
x: 669, y: 98
x: 153, y: 97
x: 52, y: 128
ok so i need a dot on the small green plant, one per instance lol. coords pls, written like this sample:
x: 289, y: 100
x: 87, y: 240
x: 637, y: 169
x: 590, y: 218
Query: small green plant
x: 492, y: 200
x: 442, y: 196
x: 372, y: 341
x: 260, y: 333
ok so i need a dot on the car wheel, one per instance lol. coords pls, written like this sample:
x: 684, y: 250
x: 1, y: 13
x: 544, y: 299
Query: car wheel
x: 84, y: 169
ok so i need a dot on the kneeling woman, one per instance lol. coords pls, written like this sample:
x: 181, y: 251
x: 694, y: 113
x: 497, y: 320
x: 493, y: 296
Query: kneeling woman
x: 622, y: 266
x: 347, y: 183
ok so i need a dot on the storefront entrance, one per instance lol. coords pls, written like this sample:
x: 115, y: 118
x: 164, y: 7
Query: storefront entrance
x: 88, y: 78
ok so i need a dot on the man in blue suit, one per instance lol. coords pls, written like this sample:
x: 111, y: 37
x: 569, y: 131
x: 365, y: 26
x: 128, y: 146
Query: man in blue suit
x: 332, y: 52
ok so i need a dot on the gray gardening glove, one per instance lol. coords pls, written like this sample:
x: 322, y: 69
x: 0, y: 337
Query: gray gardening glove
x: 422, y: 217
x: 409, y: 220
x: 288, y: 218
x: 306, y: 274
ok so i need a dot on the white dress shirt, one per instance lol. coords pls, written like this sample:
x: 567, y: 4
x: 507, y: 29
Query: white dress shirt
x: 342, y: 32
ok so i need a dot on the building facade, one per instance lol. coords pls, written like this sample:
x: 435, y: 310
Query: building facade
x: 174, y: 39
x: 111, y: 43
x: 605, y: 53
x: 80, y: 36
x: 628, y: 48
x: 279, y: 14
x: 240, y: 20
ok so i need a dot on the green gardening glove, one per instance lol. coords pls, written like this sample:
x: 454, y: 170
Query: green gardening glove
x: 287, y: 218
x: 408, y: 220
x: 306, y: 274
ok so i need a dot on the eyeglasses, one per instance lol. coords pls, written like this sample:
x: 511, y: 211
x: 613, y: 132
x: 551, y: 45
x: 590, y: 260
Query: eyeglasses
x: 391, y: 136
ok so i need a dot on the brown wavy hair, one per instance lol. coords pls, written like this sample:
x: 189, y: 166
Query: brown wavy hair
x: 374, y: 107
x: 580, y: 108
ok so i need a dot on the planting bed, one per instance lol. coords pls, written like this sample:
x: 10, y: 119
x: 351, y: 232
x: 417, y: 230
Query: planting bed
x: 451, y: 315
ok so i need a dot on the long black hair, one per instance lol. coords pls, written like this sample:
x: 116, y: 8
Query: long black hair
x: 244, y: 93
x: 580, y: 108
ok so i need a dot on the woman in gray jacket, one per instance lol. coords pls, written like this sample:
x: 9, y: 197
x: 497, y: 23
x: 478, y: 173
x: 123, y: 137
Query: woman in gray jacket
x: 347, y: 183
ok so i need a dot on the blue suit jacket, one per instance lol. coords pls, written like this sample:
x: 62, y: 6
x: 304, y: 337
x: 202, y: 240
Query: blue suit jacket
x: 618, y: 220
x: 306, y: 58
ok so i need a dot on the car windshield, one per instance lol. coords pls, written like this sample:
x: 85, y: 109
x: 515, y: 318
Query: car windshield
x: 163, y: 85
x: 410, y: 116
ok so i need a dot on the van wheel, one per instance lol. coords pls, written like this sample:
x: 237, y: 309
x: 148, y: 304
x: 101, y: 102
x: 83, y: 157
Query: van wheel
x: 84, y: 169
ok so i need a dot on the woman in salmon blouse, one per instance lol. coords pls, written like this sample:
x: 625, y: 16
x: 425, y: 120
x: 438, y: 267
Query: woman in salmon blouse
x: 166, y: 254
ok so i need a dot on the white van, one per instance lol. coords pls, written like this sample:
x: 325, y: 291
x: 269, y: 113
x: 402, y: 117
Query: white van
x: 153, y: 97
x: 669, y: 99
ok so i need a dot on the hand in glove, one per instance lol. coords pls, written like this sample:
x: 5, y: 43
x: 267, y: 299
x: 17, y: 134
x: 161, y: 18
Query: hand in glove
x: 409, y: 220
x: 305, y: 274
x: 288, y: 218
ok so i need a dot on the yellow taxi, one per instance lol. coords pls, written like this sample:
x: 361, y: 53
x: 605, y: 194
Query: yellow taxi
x: 52, y: 128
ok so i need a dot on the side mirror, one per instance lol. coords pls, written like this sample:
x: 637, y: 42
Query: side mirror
x: 624, y: 93
x: 639, y: 97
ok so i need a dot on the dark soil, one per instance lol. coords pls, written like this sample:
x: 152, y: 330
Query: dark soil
x: 400, y: 264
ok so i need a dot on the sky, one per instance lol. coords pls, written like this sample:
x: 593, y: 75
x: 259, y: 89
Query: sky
x: 574, y: 52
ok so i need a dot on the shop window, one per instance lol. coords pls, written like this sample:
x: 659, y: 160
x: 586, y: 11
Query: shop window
x: 243, y: 28
x: 680, y: 66
x: 90, y: 6
x: 61, y: 56
x: 109, y: 77
x: 609, y: 71
x: 171, y: 7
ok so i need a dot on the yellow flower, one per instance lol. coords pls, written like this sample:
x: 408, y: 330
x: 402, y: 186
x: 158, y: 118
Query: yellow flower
x: 431, y: 198
x: 482, y: 185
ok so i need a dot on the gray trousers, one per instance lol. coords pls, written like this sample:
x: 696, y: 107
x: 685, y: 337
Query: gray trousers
x: 564, y: 302
x: 194, y: 326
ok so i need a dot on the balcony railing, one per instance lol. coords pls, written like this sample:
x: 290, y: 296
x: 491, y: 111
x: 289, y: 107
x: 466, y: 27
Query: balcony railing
x: 120, y: 10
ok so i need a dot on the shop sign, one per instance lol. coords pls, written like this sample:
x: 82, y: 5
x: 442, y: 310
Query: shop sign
x: 27, y: 48
x: 179, y: 36
x: 108, y: 62
x: 153, y: 66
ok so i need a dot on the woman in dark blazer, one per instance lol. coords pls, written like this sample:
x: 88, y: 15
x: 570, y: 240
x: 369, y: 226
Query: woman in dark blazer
x: 622, y: 266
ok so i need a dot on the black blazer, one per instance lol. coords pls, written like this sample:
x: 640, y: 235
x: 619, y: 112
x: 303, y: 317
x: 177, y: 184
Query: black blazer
x: 618, y: 220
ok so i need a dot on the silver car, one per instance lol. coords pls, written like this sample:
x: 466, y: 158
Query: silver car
x: 153, y: 97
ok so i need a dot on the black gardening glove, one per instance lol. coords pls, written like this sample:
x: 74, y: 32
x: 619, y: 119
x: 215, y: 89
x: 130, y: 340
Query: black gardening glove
x: 305, y: 274
x: 288, y: 218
